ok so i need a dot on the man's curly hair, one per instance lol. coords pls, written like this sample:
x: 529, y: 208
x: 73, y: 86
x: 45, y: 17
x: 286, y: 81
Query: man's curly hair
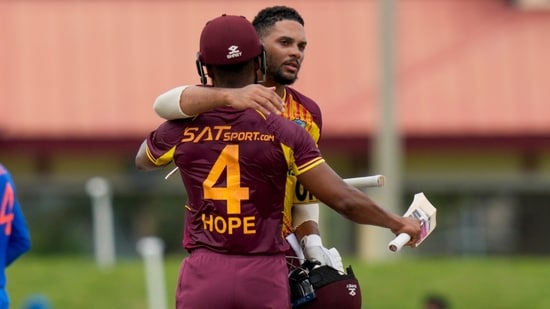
x: 266, y: 18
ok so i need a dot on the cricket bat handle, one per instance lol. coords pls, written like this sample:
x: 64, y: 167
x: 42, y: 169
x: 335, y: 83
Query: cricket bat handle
x: 398, y: 242
x: 364, y: 182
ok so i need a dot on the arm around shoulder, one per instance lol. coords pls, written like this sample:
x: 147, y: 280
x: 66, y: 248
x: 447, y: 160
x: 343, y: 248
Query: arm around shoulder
x: 188, y: 101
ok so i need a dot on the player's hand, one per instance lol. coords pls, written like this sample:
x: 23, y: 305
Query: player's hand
x: 409, y: 226
x: 256, y: 96
x: 335, y: 259
x: 314, y: 251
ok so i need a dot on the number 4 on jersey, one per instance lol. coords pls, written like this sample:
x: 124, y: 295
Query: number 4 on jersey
x: 233, y: 193
x: 6, y: 211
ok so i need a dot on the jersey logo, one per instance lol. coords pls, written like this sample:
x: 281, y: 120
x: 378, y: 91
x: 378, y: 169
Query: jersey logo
x: 300, y: 122
x: 352, y: 289
x: 233, y: 52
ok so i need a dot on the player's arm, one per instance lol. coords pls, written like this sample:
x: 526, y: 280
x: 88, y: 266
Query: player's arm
x: 323, y: 182
x: 188, y: 101
x: 143, y: 162
x: 309, y: 212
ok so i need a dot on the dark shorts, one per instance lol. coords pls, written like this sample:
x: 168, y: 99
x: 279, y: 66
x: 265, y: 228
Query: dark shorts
x: 212, y: 280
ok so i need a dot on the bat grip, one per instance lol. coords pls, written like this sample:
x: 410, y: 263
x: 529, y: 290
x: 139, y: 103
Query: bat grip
x: 398, y: 242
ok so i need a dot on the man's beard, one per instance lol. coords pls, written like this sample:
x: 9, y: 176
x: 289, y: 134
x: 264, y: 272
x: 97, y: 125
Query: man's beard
x: 279, y: 78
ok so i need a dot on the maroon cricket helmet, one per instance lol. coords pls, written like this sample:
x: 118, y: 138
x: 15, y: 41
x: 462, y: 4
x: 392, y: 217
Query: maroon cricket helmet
x: 334, y: 289
x: 229, y: 39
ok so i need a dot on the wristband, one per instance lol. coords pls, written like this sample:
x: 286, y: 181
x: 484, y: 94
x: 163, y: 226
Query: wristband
x: 304, y: 212
x: 167, y: 105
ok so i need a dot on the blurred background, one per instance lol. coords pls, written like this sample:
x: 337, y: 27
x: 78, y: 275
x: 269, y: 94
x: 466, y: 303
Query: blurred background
x: 458, y: 90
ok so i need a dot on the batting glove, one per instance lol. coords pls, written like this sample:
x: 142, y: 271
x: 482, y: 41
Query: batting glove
x: 313, y: 249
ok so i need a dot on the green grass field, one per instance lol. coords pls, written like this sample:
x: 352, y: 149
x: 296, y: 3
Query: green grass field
x: 75, y: 282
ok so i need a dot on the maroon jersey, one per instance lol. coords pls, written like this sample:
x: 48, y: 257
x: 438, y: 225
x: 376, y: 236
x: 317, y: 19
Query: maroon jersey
x: 306, y: 113
x: 234, y: 165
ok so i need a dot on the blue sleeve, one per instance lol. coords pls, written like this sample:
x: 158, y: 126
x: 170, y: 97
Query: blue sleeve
x: 20, y: 240
x: 15, y: 236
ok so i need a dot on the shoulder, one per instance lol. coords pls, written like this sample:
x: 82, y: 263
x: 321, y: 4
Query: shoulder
x: 173, y: 125
x: 286, y: 131
x: 170, y: 130
x: 309, y: 104
x: 306, y: 101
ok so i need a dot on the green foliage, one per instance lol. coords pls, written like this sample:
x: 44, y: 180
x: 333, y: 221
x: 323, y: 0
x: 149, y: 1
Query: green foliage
x: 75, y: 282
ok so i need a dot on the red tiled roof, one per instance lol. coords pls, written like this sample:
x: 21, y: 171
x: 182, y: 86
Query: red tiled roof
x: 477, y: 67
x: 89, y: 69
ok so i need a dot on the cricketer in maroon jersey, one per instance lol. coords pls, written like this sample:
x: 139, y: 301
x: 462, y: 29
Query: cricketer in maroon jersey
x: 234, y: 206
x: 234, y: 216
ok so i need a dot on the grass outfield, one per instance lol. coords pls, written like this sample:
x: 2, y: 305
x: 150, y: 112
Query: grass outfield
x: 75, y: 282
